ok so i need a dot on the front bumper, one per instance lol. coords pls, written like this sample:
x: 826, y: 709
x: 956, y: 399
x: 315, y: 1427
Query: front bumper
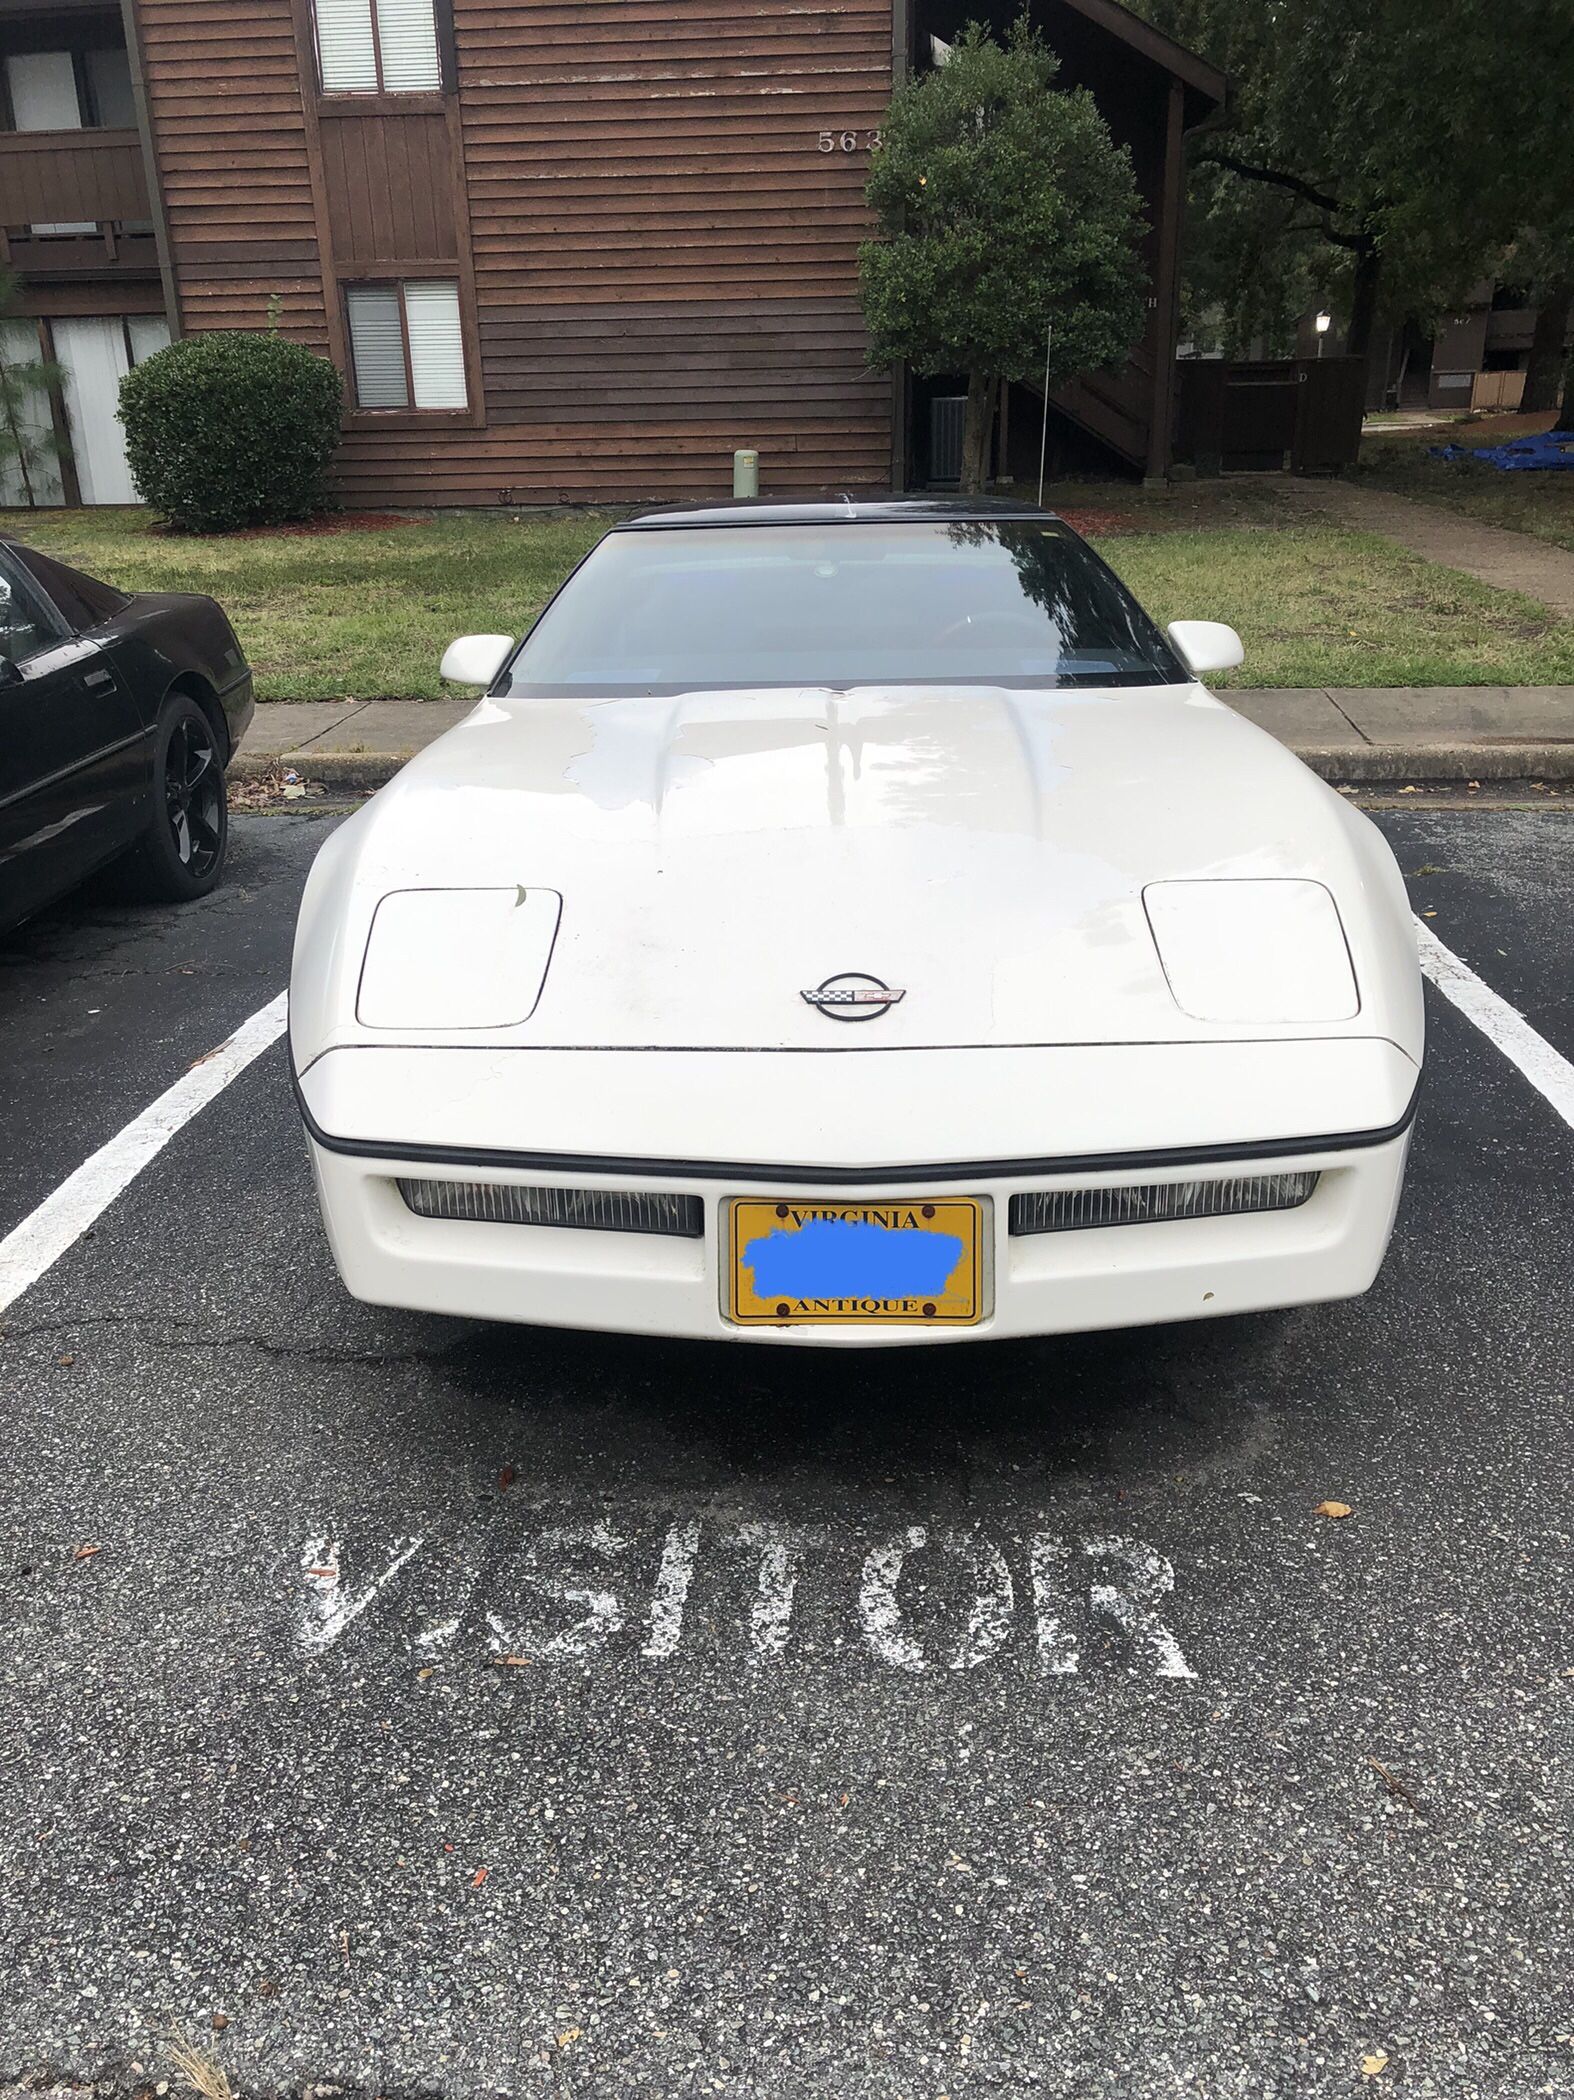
x: 1046, y: 1283
x: 1052, y: 1283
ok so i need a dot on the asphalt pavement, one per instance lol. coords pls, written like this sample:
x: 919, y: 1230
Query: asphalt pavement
x: 405, y: 1707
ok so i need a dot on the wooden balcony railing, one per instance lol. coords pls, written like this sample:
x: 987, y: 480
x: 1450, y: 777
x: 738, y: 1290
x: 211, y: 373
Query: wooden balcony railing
x: 71, y: 177
x: 107, y: 252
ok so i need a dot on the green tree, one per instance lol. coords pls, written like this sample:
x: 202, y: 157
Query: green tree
x: 1543, y: 261
x: 1229, y: 300
x: 1405, y: 140
x: 1006, y: 211
x: 27, y: 439
x: 1545, y: 367
x: 1545, y: 269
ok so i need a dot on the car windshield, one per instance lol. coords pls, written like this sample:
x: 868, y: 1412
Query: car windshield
x: 675, y: 609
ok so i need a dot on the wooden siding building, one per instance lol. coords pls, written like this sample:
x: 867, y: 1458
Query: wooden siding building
x: 562, y: 250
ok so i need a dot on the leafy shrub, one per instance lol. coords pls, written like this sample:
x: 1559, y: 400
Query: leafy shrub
x: 229, y: 429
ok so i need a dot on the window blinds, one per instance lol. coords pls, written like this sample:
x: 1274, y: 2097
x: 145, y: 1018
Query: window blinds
x: 407, y: 38
x: 429, y: 325
x: 377, y: 346
x: 352, y: 37
x: 437, y: 351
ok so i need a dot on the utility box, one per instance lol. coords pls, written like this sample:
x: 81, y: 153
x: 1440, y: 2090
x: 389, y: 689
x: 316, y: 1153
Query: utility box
x: 947, y: 418
x: 746, y: 473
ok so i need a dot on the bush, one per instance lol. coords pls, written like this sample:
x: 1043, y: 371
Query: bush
x: 229, y: 429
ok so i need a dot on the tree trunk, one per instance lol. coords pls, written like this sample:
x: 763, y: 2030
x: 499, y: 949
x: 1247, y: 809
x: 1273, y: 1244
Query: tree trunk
x: 1544, y: 372
x: 1363, y: 307
x: 977, y: 430
x: 1363, y: 300
x: 16, y: 436
x: 1565, y: 423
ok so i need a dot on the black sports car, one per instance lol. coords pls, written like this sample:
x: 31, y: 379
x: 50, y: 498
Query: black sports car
x: 118, y: 716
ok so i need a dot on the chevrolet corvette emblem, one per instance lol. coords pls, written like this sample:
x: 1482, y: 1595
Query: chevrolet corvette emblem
x: 852, y: 997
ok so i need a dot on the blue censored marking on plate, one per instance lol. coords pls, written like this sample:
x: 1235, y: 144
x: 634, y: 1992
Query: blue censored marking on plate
x: 843, y: 1258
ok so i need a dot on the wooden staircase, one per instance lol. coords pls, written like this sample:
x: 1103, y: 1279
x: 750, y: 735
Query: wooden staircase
x: 1113, y: 407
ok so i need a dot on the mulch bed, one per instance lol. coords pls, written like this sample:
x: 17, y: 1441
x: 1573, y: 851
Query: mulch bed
x: 335, y: 521
x: 1103, y: 522
x: 314, y: 528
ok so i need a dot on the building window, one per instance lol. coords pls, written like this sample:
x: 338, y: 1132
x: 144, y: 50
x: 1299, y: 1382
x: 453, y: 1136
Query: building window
x: 67, y: 90
x: 378, y: 47
x: 25, y: 625
x: 44, y: 91
x: 407, y: 345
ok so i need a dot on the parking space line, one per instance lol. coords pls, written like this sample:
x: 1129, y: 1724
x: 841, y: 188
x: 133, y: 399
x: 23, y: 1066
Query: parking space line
x: 1548, y: 1070
x: 67, y: 1212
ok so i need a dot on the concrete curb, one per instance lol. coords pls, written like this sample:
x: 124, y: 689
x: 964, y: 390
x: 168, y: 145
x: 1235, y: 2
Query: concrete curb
x: 1438, y: 765
x: 341, y: 769
x: 1371, y: 765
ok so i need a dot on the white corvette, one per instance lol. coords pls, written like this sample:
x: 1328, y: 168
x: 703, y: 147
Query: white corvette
x: 854, y: 923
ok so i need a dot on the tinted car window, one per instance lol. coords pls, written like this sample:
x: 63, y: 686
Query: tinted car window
x: 81, y: 600
x: 772, y: 605
x: 25, y: 622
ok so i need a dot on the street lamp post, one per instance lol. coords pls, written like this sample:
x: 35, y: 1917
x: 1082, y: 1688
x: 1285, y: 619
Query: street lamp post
x: 1322, y: 323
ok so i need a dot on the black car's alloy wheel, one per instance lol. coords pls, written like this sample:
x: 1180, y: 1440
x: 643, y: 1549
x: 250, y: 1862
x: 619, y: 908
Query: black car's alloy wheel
x: 194, y: 795
x: 181, y: 853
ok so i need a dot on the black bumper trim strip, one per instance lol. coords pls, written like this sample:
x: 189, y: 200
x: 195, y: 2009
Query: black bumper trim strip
x: 849, y: 1177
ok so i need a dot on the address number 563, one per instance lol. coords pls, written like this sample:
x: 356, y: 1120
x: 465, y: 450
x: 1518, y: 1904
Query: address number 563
x: 848, y: 141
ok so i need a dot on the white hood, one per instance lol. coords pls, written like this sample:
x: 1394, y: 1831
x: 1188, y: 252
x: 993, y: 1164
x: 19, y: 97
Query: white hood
x: 719, y: 853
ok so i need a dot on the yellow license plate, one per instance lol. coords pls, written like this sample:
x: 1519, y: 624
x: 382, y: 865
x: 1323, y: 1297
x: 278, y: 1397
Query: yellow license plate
x: 796, y: 1262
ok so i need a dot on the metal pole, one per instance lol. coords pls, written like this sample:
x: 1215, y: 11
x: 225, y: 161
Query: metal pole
x: 1043, y: 435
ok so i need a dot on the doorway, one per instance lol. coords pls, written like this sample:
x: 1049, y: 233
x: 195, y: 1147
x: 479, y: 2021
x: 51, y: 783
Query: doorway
x: 95, y: 353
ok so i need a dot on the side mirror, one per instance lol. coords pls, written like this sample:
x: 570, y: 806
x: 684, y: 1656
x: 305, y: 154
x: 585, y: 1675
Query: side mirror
x: 1205, y: 645
x: 10, y: 673
x: 476, y: 659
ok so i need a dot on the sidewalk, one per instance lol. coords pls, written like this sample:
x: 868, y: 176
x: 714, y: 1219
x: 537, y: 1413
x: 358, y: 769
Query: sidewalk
x: 1366, y: 736
x: 1353, y: 736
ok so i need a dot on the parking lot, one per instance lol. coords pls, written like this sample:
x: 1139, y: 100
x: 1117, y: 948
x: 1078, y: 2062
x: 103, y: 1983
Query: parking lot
x: 418, y: 1708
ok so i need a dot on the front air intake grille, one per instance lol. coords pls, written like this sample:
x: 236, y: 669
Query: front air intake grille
x: 1153, y: 1202
x: 597, y: 1210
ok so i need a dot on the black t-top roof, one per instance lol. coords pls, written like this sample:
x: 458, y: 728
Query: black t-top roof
x: 844, y: 510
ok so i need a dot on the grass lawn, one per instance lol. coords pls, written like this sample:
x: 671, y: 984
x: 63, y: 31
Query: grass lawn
x: 1322, y: 606
x: 1540, y: 504
x: 367, y: 614
x: 326, y: 616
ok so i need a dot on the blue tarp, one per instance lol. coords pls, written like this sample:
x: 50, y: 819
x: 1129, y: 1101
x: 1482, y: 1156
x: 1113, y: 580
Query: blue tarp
x: 1551, y: 452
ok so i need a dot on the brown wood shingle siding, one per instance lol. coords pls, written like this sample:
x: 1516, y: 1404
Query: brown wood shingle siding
x: 229, y: 133
x: 664, y: 259
x: 653, y: 362
x: 600, y: 462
